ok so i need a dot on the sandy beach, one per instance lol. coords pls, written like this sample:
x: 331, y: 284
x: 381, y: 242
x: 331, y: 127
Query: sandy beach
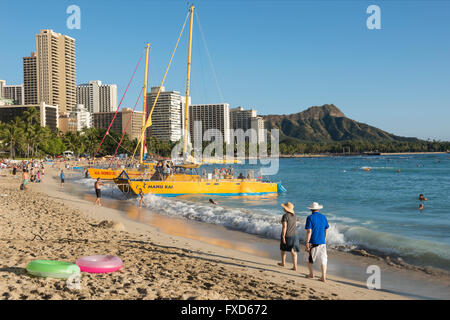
x: 47, y: 223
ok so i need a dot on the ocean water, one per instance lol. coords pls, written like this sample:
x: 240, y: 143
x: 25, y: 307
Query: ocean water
x: 374, y: 209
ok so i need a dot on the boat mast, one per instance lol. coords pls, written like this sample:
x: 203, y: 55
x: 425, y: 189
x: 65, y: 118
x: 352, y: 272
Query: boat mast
x: 144, y: 105
x: 186, y: 109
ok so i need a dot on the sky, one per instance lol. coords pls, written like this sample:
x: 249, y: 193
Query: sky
x: 279, y: 57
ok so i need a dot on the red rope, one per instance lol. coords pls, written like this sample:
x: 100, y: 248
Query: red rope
x: 123, y: 96
x: 129, y: 120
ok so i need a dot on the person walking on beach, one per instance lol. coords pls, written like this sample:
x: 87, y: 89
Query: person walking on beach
x: 316, y: 235
x: 141, y: 201
x: 98, y: 192
x: 25, y: 178
x: 289, y: 235
x: 62, y: 178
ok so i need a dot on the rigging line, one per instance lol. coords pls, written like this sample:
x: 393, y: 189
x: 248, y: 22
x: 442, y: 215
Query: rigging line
x: 149, y: 118
x: 209, y: 56
x: 118, y: 142
x: 129, y: 120
x: 123, y: 96
x: 202, y: 79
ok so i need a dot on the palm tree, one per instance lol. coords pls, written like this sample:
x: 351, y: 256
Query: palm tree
x: 12, y: 133
x: 31, y: 127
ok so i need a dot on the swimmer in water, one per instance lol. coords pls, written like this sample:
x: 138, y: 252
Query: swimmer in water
x: 422, y: 198
x: 212, y: 201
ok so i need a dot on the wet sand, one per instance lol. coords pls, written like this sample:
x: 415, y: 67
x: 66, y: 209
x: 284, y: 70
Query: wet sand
x: 46, y: 222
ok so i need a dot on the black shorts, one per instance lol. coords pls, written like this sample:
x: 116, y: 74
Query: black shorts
x: 62, y: 180
x: 291, y: 243
x: 98, y: 192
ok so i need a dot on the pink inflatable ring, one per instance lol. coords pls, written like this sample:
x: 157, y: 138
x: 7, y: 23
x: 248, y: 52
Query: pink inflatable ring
x: 99, y: 264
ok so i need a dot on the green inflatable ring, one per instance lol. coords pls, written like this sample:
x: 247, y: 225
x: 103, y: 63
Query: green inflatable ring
x: 52, y: 269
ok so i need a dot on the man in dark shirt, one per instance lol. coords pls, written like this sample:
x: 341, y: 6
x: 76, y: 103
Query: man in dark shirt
x: 289, y: 235
x: 98, y: 192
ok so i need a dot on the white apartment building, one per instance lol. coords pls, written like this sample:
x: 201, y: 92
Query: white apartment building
x: 13, y: 92
x: 83, y: 117
x: 2, y: 84
x: 257, y: 124
x: 211, y: 116
x: 97, y: 97
x: 167, y: 117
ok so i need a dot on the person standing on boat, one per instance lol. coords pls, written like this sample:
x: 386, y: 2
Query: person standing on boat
x: 289, y: 235
x: 316, y: 235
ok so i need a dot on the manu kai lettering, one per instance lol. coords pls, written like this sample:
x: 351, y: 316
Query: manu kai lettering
x: 158, y: 186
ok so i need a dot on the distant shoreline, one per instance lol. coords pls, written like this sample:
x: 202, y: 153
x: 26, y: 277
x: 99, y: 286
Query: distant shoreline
x: 355, y: 154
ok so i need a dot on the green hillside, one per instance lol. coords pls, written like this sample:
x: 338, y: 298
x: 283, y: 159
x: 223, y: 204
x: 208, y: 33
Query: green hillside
x: 326, y: 124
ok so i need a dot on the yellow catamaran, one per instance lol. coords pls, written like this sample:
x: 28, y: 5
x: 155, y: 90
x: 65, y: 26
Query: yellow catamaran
x: 175, y: 180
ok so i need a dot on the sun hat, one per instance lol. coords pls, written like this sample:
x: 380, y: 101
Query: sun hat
x: 289, y: 207
x: 315, y: 206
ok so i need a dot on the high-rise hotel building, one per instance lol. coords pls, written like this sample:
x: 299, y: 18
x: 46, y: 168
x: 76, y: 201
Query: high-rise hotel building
x: 97, y: 97
x: 240, y: 118
x: 2, y: 84
x: 167, y: 117
x: 13, y: 92
x: 55, y: 61
x: 257, y: 124
x: 125, y: 121
x: 212, y: 116
x: 30, y: 94
x: 245, y: 120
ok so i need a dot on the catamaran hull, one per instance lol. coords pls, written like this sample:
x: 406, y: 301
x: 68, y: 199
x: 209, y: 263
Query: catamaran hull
x: 211, y: 187
x: 110, y: 174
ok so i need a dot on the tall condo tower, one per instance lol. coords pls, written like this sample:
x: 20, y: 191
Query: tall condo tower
x: 55, y: 56
x: 97, y: 97
x: 30, y: 79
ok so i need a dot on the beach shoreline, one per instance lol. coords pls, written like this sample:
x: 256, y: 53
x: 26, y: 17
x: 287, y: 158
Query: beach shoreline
x: 219, y: 257
x: 51, y: 224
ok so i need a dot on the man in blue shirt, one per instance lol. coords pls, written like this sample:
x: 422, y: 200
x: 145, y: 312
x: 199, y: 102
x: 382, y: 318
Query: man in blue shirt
x: 316, y: 235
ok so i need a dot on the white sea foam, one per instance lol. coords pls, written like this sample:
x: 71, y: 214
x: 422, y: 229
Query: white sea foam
x: 266, y: 223
x: 258, y: 223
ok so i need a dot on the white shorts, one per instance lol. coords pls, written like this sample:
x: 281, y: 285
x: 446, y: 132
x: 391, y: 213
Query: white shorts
x: 318, y: 253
